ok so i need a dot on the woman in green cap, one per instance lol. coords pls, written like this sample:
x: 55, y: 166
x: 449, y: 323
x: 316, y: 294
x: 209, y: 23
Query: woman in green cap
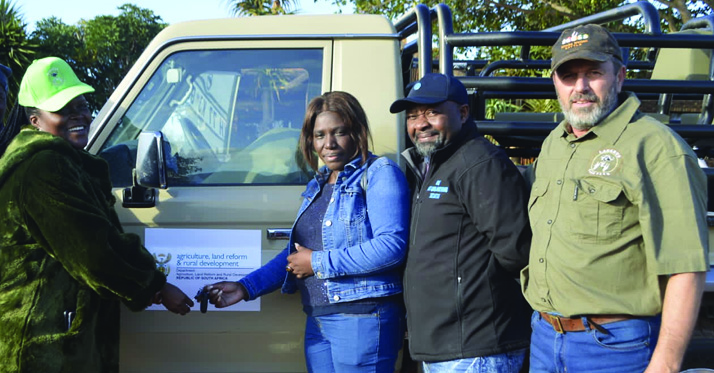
x: 65, y: 263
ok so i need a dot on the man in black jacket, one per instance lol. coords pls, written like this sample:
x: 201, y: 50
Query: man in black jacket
x: 469, y: 238
x: 5, y: 73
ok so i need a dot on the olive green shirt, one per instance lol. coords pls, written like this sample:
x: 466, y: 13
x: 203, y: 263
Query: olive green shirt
x: 612, y: 213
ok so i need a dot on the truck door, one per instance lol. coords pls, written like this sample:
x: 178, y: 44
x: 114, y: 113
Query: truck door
x: 232, y: 113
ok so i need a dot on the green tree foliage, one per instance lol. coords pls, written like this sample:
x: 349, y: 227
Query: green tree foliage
x: 675, y: 13
x: 527, y: 15
x: 262, y: 7
x: 101, y: 50
x: 16, y: 50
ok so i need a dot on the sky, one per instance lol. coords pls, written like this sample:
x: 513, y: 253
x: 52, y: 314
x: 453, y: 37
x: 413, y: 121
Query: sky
x: 171, y: 11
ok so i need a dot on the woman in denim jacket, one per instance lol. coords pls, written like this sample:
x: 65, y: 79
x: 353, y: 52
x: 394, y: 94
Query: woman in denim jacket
x: 346, y: 249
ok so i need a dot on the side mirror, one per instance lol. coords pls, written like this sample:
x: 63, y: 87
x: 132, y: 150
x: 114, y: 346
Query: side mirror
x: 150, y: 172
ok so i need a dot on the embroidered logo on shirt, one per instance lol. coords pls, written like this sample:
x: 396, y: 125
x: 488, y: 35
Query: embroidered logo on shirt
x: 437, y: 190
x: 605, y: 162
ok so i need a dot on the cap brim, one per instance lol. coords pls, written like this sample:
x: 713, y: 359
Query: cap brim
x: 62, y: 98
x: 405, y: 103
x: 583, y: 55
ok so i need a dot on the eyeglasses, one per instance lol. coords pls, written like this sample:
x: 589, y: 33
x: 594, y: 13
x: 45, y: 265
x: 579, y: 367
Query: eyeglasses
x: 429, y: 114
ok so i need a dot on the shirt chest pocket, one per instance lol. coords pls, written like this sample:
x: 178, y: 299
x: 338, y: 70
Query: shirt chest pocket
x: 352, y: 206
x: 599, y: 209
x: 537, y: 191
x: 535, y: 209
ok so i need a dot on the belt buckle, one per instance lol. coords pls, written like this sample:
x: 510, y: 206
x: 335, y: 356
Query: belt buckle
x: 557, y: 325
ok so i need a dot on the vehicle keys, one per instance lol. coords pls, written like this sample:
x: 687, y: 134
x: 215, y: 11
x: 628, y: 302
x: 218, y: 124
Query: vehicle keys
x: 202, y: 297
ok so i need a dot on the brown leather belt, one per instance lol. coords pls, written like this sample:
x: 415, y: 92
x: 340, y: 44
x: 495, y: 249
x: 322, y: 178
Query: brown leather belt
x: 575, y: 324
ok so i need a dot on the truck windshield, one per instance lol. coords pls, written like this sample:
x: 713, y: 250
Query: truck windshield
x: 230, y: 116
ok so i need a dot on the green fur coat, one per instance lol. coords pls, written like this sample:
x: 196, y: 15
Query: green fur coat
x: 62, y: 249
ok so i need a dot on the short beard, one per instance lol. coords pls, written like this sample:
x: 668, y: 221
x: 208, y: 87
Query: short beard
x: 587, y: 120
x: 426, y: 149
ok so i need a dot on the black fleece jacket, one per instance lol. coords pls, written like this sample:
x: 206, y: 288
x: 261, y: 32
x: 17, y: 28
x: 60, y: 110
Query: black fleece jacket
x: 469, y: 239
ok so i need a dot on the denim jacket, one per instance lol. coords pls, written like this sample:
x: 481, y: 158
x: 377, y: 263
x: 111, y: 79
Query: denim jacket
x: 364, y: 239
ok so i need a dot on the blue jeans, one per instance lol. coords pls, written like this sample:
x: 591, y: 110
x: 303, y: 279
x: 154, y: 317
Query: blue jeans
x: 627, y: 347
x: 355, y: 342
x: 509, y: 362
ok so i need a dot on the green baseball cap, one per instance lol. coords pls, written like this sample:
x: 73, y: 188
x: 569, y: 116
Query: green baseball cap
x: 49, y: 84
x: 588, y: 42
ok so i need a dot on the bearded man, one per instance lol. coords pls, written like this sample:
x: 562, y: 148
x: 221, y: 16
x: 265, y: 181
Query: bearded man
x: 5, y: 73
x: 618, y: 214
x: 469, y: 238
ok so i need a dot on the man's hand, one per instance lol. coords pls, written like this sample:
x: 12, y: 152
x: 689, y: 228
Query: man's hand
x: 682, y: 298
x: 301, y: 262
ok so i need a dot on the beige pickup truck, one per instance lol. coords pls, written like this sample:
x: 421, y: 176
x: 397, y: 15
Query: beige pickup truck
x: 201, y: 137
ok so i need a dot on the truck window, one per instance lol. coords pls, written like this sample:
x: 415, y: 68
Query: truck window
x: 229, y: 116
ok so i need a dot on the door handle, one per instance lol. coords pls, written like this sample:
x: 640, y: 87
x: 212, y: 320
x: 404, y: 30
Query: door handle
x: 278, y: 233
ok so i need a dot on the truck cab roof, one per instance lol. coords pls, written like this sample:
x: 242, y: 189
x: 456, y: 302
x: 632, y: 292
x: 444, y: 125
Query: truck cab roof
x: 298, y: 26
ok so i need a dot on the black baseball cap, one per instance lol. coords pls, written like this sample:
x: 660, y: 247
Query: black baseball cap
x: 432, y: 89
x: 587, y: 42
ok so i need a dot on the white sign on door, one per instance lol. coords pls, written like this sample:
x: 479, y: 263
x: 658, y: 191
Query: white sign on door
x: 193, y: 258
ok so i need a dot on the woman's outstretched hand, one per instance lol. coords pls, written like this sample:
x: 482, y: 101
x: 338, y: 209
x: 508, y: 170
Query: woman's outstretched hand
x: 226, y: 293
